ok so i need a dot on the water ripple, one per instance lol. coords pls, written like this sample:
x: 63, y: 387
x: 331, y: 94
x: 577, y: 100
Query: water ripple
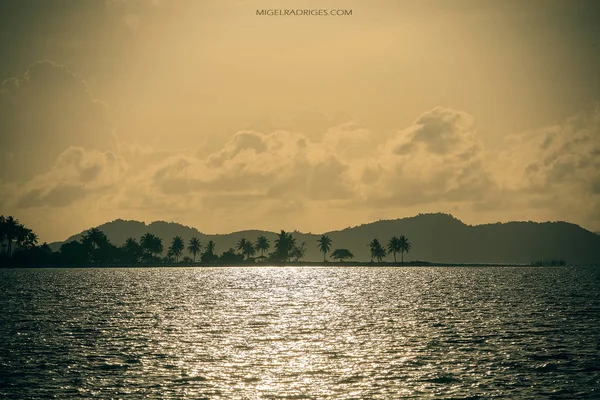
x: 300, y: 333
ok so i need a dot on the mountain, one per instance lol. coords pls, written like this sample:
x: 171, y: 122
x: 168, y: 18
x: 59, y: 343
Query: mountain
x: 434, y: 237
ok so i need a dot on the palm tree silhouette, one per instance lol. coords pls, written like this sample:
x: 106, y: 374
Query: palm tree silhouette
x: 146, y: 243
x: 31, y: 240
x: 194, y: 247
x: 405, y: 246
x: 284, y: 244
x: 210, y: 247
x: 21, y: 235
x: 262, y: 245
x: 177, y: 247
x: 151, y: 244
x: 248, y: 249
x: 377, y: 251
x: 209, y: 252
x: 95, y: 238
x: 170, y: 255
x: 11, y: 225
x: 157, y: 245
x: 132, y: 249
x: 393, y: 246
x: 241, y: 245
x: 2, y: 233
x: 324, y: 244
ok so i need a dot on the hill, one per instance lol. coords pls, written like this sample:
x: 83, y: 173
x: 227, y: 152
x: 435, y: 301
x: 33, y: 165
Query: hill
x: 435, y: 238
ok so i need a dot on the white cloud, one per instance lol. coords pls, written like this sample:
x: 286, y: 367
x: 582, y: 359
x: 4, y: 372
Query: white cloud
x: 437, y: 159
x: 264, y: 179
x: 555, y: 170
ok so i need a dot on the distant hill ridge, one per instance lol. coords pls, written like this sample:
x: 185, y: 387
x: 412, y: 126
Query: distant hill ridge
x: 434, y: 237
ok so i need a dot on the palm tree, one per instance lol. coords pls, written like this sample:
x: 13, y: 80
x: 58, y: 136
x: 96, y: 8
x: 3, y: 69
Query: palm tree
x: 97, y: 244
x: 241, y: 244
x: 132, y: 249
x: 151, y: 244
x: 10, y: 231
x: 194, y: 247
x: 2, y: 232
x: 377, y: 251
x: 169, y: 257
x: 210, y: 247
x: 157, y: 245
x: 146, y: 239
x: 31, y: 240
x: 177, y: 247
x: 324, y: 244
x: 291, y: 245
x: 21, y: 235
x: 95, y: 238
x: 248, y: 250
x: 393, y: 246
x: 284, y: 244
x: 262, y: 245
x: 209, y: 252
x: 405, y: 246
x: 146, y: 243
x: 341, y: 254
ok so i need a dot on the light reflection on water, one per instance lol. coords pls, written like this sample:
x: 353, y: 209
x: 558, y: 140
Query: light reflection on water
x: 311, y: 332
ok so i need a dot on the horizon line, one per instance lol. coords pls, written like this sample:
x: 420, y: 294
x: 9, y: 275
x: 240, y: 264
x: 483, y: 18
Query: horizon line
x: 147, y: 224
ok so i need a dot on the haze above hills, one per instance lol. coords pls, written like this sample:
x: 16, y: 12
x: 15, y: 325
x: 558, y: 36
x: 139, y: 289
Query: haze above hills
x: 434, y: 238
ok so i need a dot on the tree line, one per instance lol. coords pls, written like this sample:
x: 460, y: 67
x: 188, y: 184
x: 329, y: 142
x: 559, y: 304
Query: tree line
x: 20, y: 248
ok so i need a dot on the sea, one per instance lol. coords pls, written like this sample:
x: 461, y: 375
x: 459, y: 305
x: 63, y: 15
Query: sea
x: 300, y: 333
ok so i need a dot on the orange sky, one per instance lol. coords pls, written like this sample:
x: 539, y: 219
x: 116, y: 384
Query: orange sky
x: 202, y: 112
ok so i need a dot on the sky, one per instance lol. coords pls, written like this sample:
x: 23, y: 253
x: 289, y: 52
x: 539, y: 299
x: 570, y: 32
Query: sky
x: 207, y: 114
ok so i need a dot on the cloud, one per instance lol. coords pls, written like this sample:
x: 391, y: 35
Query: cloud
x: 43, y: 113
x: 440, y: 131
x: 243, y: 141
x: 58, y: 196
x: 278, y: 164
x: 566, y: 155
x: 259, y: 179
x: 76, y: 174
x: 437, y: 159
x: 347, y: 169
x: 556, y: 156
x: 350, y: 140
x: 555, y: 169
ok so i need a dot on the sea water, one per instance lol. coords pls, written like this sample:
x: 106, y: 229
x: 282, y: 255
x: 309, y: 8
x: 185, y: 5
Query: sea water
x: 293, y: 332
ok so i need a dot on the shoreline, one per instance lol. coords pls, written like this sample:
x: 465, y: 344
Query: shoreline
x: 293, y: 264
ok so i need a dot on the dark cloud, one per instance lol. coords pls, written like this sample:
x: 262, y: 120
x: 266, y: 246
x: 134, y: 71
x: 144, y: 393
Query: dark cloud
x: 566, y: 157
x: 168, y: 171
x: 88, y: 35
x: 241, y: 141
x: 595, y: 186
x: 43, y: 113
x: 441, y: 131
x: 59, y: 196
x: 75, y: 174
